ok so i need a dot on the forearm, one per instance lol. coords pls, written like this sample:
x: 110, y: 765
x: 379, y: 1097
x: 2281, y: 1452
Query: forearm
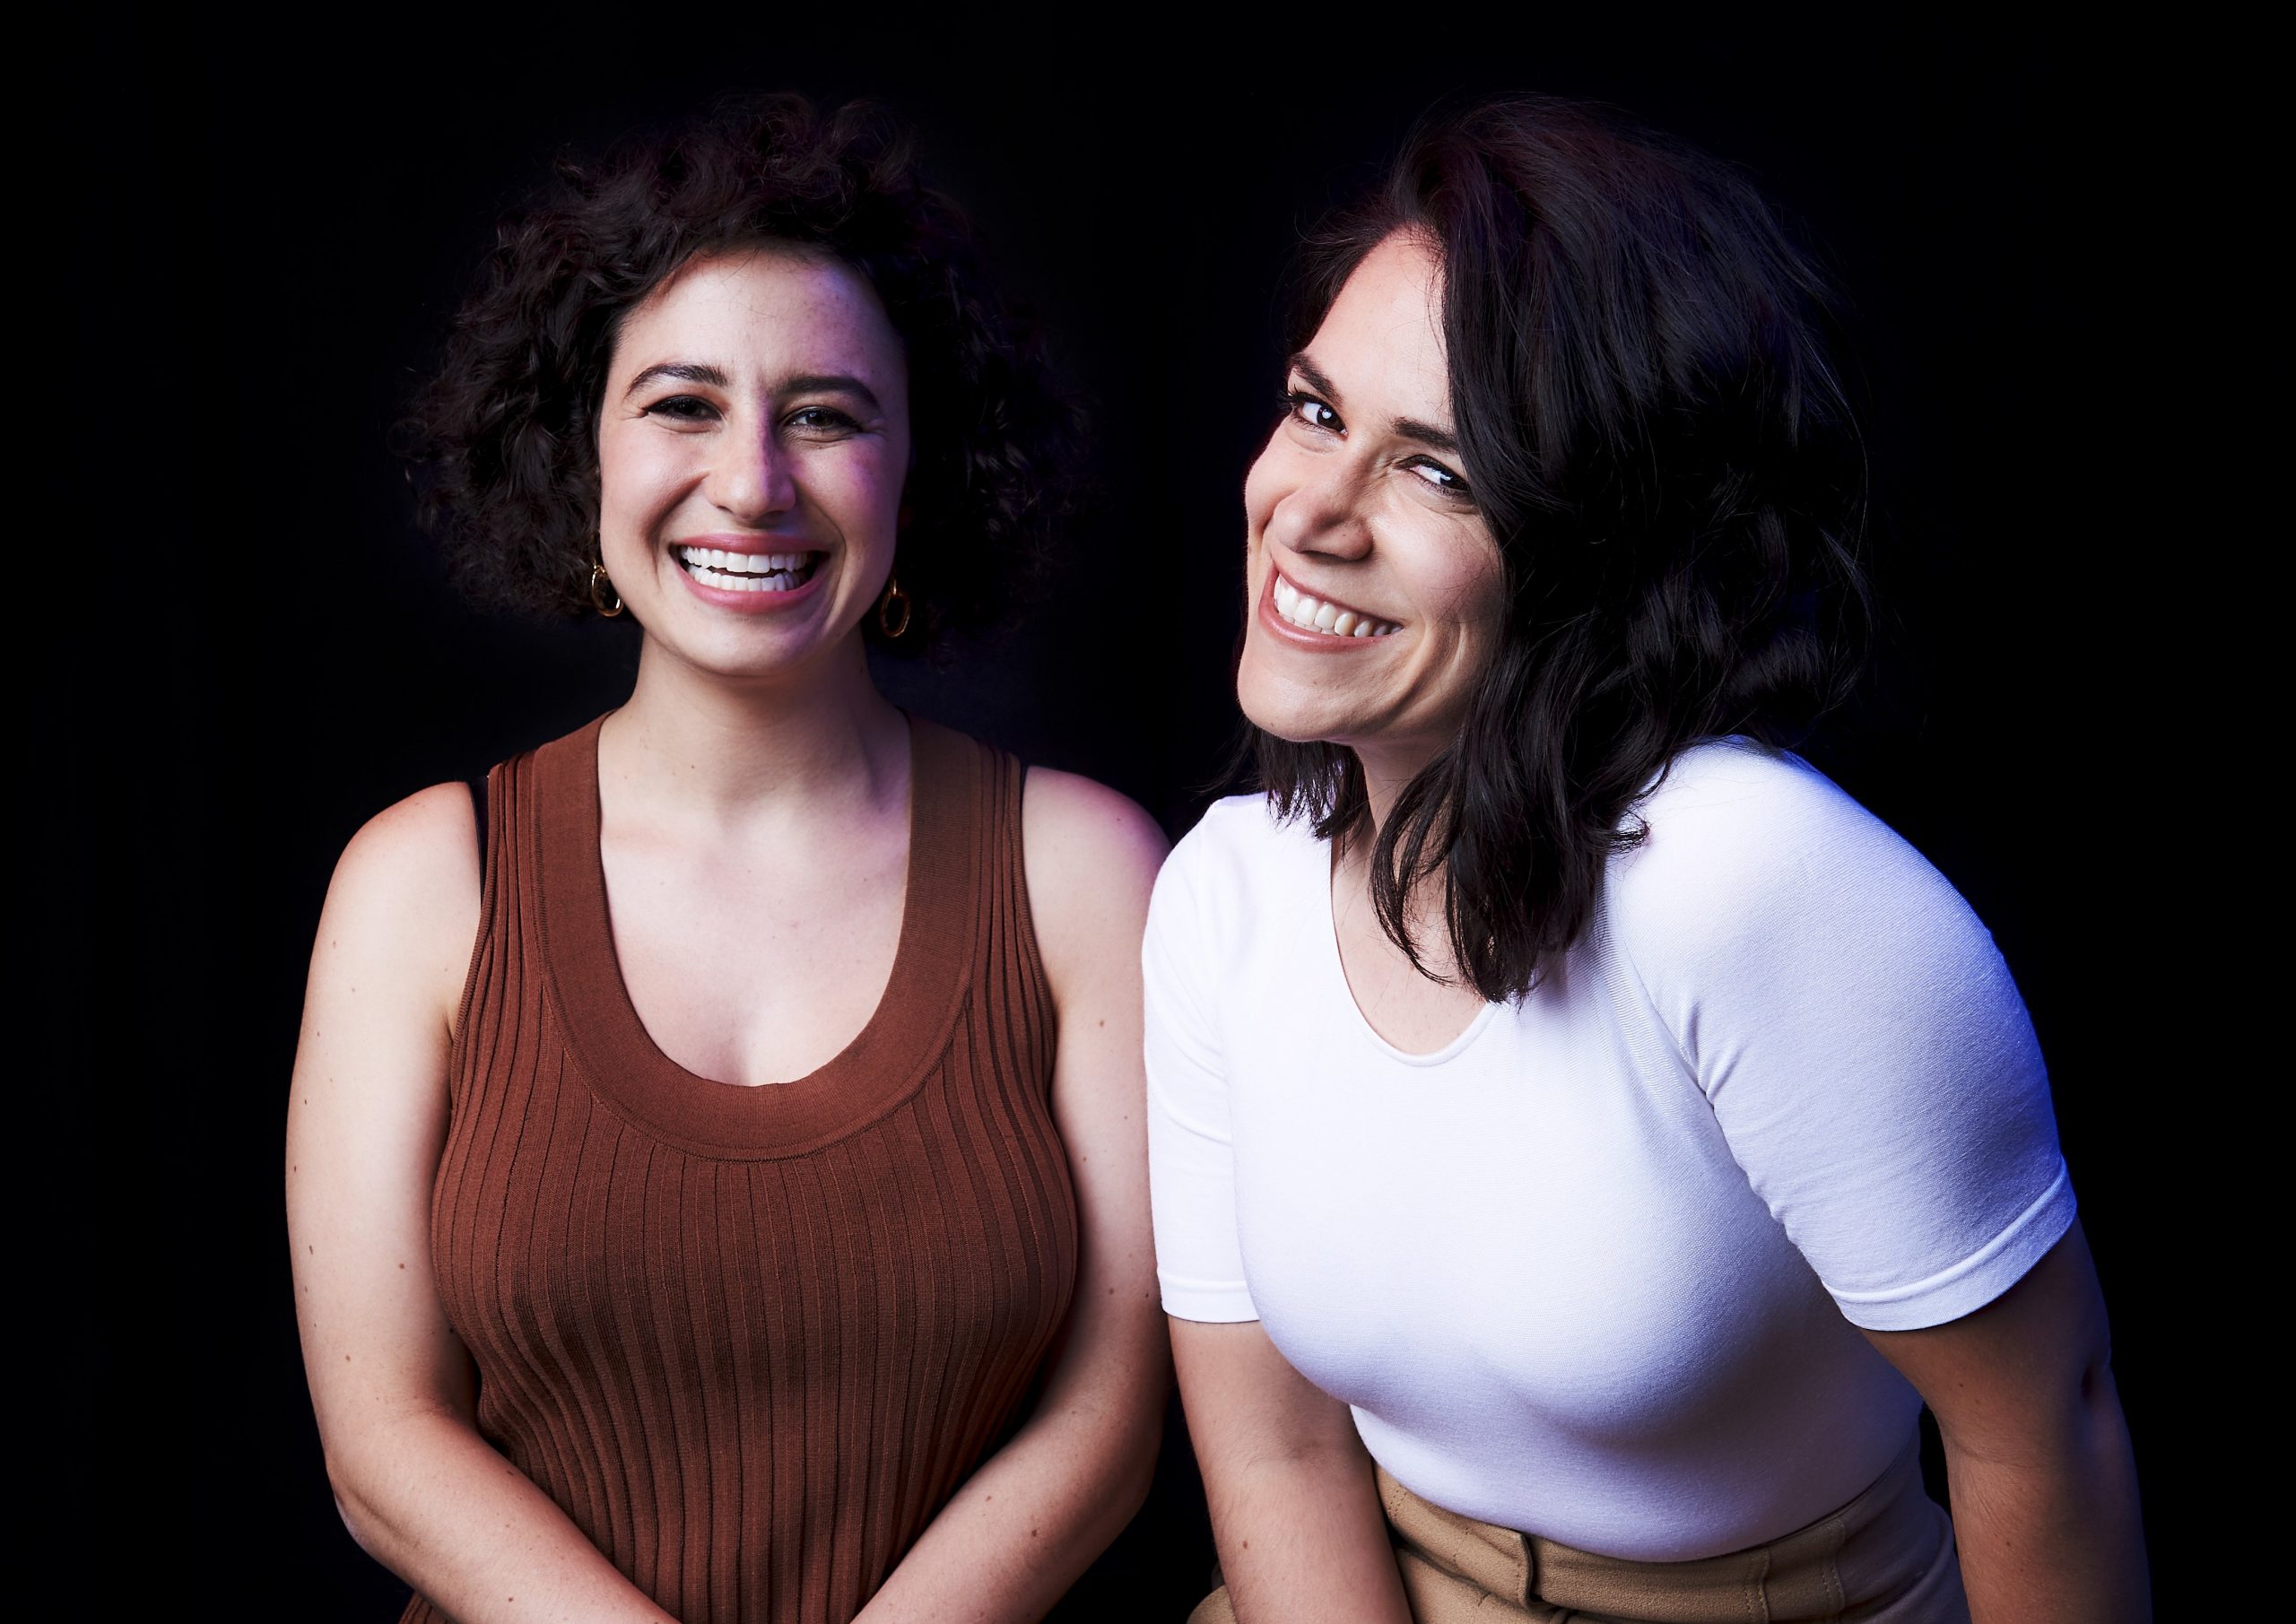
x: 2053, y: 1536
x: 1303, y: 1538
x: 1022, y: 1529
x: 426, y: 1496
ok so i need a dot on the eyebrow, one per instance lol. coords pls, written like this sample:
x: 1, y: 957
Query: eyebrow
x: 804, y: 383
x: 684, y: 372
x: 1317, y: 381
x: 1428, y: 435
x: 1409, y: 428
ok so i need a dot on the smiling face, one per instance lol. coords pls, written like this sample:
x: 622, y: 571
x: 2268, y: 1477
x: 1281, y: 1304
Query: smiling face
x: 1376, y: 590
x: 752, y: 445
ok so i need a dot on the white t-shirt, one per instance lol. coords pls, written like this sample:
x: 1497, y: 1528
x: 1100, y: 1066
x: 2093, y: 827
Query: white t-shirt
x: 1595, y: 1269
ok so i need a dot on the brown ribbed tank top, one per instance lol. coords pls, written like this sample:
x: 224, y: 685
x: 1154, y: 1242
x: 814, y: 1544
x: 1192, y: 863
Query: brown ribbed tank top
x: 753, y: 1338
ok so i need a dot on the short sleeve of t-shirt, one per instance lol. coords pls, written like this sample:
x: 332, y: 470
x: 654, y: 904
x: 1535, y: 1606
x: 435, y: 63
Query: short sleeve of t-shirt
x: 1857, y: 1034
x: 1199, y: 1264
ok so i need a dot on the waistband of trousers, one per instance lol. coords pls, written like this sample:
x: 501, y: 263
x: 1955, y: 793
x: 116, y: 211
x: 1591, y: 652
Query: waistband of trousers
x: 1798, y: 1574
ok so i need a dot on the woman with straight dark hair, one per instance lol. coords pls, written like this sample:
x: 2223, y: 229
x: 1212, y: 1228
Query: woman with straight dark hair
x: 717, y: 1180
x: 1581, y: 1136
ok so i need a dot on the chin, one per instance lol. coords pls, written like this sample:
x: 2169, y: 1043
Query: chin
x: 1277, y: 707
x: 742, y: 653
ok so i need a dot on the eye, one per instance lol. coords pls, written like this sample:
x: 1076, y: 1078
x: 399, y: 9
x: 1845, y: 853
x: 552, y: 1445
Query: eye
x: 1441, y: 478
x: 683, y: 408
x: 1311, y: 413
x: 821, y: 420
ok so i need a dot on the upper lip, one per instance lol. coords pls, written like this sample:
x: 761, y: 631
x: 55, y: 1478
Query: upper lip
x: 1315, y: 593
x: 744, y: 543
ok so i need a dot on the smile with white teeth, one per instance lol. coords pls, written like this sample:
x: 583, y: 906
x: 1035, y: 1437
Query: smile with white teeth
x: 1309, y: 614
x: 746, y: 571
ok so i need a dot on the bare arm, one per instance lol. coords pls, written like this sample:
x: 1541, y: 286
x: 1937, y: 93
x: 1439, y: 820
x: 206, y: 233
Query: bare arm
x: 2037, y: 1454
x: 420, y: 1490
x: 1023, y: 1526
x: 1295, y: 1509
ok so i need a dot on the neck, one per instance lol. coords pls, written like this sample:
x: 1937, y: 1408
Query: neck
x: 728, y: 749
x: 1388, y: 767
x: 1388, y: 764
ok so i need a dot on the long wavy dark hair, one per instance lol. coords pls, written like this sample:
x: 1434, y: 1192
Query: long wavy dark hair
x: 1644, y: 389
x: 504, y: 433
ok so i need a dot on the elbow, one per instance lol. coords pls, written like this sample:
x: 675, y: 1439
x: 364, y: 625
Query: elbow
x: 1118, y: 1487
x: 2086, y: 1395
x: 354, y: 1522
x: 359, y: 1519
x: 1136, y: 1475
x: 1140, y: 1447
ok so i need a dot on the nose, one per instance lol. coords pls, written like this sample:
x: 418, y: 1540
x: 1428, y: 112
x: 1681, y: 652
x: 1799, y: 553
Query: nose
x: 1323, y: 514
x: 752, y: 478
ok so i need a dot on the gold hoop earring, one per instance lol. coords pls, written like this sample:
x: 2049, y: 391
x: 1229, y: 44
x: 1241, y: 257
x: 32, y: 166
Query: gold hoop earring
x: 894, y: 610
x: 600, y: 579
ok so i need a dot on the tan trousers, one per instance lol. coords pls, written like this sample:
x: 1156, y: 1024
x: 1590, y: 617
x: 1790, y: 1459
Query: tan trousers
x: 1886, y: 1558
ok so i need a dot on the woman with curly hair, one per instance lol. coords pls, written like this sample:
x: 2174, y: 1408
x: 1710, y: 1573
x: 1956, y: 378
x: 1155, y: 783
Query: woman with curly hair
x: 717, y: 1184
x: 1581, y: 1136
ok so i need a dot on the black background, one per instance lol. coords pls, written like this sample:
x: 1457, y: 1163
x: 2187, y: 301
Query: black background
x: 273, y: 229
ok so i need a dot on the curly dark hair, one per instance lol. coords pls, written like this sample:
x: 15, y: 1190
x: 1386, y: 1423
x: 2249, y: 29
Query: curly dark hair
x: 1640, y: 372
x: 504, y: 433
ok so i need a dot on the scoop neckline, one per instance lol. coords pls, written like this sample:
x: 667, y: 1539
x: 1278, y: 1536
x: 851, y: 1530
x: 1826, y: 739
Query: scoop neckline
x: 882, y: 1065
x: 1334, y: 971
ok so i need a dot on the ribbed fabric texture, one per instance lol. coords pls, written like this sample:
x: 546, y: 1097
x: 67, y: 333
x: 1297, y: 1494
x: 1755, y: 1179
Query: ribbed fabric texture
x: 753, y: 1338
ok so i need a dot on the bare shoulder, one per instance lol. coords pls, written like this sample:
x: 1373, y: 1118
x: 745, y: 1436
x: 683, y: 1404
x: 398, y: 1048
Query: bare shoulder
x: 415, y: 857
x: 1076, y: 830
x: 1091, y: 856
x: 403, y: 904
